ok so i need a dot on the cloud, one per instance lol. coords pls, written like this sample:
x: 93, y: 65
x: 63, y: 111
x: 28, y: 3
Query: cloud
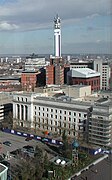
x: 36, y: 14
x: 6, y: 26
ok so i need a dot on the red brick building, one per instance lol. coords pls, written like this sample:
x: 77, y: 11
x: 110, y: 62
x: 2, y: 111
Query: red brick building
x: 59, y: 75
x: 84, y: 76
x: 50, y: 74
x: 29, y: 80
x: 54, y: 75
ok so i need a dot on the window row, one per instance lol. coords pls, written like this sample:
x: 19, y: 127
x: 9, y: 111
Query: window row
x: 60, y: 111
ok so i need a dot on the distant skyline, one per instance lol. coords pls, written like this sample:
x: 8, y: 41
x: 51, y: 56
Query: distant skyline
x: 26, y: 26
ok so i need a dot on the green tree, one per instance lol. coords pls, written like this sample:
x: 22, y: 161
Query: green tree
x: 39, y: 163
x: 66, y: 149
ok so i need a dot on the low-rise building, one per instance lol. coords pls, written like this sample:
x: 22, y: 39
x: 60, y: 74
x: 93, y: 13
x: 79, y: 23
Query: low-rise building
x: 3, y: 172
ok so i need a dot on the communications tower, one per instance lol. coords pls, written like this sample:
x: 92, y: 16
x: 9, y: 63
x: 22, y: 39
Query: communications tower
x: 57, y: 36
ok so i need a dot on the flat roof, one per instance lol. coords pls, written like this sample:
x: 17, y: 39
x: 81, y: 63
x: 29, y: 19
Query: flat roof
x: 84, y: 72
x: 2, y: 167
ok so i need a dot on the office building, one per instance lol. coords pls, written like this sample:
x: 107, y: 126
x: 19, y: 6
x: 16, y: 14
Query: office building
x: 84, y: 76
x: 86, y: 120
x: 103, y: 67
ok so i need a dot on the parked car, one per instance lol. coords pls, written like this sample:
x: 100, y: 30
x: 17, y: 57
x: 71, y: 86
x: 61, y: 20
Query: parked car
x: 29, y: 149
x: 28, y: 138
x: 7, y: 143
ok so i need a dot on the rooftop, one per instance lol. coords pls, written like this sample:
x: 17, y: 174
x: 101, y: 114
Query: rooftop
x: 2, y: 167
x: 84, y: 72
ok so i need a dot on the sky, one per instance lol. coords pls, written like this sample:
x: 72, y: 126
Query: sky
x: 26, y: 26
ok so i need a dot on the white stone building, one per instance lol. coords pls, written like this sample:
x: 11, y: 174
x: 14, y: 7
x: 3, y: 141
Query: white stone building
x: 50, y: 113
x: 88, y: 121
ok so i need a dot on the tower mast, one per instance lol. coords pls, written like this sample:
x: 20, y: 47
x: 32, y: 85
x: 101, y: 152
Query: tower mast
x: 57, y: 36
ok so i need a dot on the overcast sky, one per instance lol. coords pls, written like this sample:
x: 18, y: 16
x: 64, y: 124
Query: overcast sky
x: 26, y: 26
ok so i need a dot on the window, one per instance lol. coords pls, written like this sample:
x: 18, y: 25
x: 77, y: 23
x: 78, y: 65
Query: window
x: 60, y: 117
x: 43, y: 109
x: 64, y: 118
x: 26, y: 99
x: 60, y: 111
x: 18, y: 98
x: 22, y: 99
x: 74, y: 119
x: 56, y: 116
x: 26, y: 113
x: 47, y: 109
x: 35, y: 107
x: 69, y: 113
x: 56, y: 110
x: 51, y: 116
x: 79, y: 114
x: 69, y: 119
x: 65, y: 112
x: 39, y: 108
x: 74, y: 114
x: 18, y: 111
x: 85, y: 115
x: 51, y: 110
x: 22, y: 112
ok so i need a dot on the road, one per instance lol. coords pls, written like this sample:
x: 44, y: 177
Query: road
x: 18, y: 142
x: 100, y: 171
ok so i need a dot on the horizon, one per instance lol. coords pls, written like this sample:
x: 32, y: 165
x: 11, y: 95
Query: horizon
x: 85, y: 26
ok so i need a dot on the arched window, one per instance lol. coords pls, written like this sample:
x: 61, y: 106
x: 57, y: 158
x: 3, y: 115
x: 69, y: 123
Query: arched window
x: 26, y: 113
x: 22, y: 112
x: 18, y: 111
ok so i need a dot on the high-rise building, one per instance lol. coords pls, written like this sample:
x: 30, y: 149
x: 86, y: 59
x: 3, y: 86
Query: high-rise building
x: 57, y: 36
x: 55, y: 72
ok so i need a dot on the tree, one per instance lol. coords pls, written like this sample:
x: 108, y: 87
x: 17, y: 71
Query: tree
x: 8, y: 120
x: 25, y: 170
x: 66, y: 148
x: 39, y: 163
